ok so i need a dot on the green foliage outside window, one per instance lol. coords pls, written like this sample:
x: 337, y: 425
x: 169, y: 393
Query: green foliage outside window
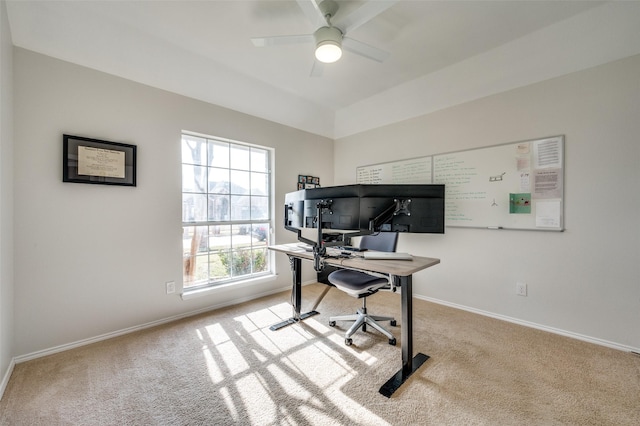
x: 244, y: 262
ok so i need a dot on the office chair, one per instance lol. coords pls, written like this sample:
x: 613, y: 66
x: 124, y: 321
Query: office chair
x: 362, y: 285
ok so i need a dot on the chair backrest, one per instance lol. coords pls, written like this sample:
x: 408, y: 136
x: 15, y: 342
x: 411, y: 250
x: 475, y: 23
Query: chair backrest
x: 382, y: 241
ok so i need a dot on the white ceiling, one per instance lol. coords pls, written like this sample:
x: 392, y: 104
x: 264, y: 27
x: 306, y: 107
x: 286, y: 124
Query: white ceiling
x: 442, y: 52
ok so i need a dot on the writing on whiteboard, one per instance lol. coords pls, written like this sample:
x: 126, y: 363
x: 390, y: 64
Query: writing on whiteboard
x: 413, y: 171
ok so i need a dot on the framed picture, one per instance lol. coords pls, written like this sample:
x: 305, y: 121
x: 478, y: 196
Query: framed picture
x: 86, y: 160
x: 308, y: 182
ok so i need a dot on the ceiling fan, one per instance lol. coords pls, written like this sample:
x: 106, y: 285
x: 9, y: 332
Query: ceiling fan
x: 330, y: 36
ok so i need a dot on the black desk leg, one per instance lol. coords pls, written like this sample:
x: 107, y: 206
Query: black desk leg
x: 409, y: 363
x: 296, y: 268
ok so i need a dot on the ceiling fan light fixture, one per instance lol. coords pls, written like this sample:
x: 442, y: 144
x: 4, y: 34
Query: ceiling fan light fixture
x: 328, y: 52
x: 328, y: 44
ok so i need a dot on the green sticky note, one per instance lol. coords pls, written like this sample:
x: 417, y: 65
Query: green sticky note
x: 520, y: 203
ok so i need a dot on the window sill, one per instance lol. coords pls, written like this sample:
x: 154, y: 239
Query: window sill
x: 191, y: 294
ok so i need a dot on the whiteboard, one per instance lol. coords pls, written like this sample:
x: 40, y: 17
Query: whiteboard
x: 415, y: 170
x: 518, y: 185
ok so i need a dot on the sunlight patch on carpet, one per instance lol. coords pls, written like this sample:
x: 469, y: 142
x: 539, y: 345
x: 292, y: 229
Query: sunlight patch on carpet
x: 254, y: 393
x: 306, y: 362
x: 214, y: 371
x: 229, y: 403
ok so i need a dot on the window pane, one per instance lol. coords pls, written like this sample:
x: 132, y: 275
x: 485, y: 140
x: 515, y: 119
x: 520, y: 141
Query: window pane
x: 259, y: 184
x: 194, y: 207
x: 194, y: 178
x: 260, y: 234
x: 240, y: 207
x: 240, y: 182
x: 194, y: 249
x: 201, y: 272
x: 219, y: 265
x: 259, y: 208
x: 194, y: 239
x: 239, y: 157
x: 219, y: 154
x: 241, y: 262
x: 194, y: 150
x: 219, y: 237
x: 218, y: 181
x: 260, y: 261
x: 248, y: 235
x: 218, y: 208
x: 259, y: 160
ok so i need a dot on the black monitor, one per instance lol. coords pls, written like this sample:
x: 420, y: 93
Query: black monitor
x: 402, y: 208
x: 364, y: 209
x: 352, y: 210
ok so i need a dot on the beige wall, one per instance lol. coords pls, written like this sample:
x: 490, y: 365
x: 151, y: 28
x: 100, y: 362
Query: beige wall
x: 6, y: 201
x: 582, y: 282
x: 93, y: 259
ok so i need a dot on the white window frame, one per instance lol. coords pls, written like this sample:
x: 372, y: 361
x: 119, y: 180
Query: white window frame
x: 248, y: 230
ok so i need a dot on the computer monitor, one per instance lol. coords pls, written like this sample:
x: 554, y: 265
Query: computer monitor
x: 402, y: 208
x: 363, y: 209
x: 338, y: 208
x: 341, y: 212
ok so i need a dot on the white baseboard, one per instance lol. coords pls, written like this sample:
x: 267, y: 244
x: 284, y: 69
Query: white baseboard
x: 84, y: 342
x: 6, y: 377
x: 553, y: 330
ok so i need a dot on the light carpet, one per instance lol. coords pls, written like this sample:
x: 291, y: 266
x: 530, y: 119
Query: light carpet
x: 227, y: 367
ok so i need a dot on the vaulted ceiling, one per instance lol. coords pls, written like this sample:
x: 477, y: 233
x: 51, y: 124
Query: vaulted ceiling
x: 442, y: 53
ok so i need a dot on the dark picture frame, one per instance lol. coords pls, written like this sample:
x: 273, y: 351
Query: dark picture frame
x: 308, y: 182
x: 95, y: 161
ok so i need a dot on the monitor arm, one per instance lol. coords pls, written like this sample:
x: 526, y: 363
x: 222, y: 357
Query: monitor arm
x: 396, y: 208
x: 319, y: 249
x: 319, y: 246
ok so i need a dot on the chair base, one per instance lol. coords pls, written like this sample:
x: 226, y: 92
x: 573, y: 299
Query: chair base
x: 361, y: 319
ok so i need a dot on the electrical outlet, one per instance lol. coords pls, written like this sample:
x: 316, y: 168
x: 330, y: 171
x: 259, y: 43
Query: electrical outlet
x: 171, y: 287
x: 521, y: 289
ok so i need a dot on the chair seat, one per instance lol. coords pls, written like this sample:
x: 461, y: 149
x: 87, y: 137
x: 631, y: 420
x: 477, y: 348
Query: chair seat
x: 355, y: 282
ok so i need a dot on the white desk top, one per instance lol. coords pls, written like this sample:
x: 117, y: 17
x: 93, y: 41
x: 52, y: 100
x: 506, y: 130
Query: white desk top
x: 395, y: 267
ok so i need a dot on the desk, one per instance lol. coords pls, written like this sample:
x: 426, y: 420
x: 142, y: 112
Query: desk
x: 402, y: 269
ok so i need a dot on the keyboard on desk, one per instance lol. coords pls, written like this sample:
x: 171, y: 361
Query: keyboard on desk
x: 384, y: 255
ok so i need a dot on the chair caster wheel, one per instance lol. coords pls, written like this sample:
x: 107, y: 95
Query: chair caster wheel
x: 393, y: 323
x: 392, y: 342
x: 348, y: 341
x: 332, y: 323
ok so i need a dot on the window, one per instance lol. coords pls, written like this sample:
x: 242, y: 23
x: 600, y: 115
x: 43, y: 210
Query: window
x: 226, y: 205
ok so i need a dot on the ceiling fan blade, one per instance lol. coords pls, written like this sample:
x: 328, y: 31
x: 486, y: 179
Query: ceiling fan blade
x: 281, y: 40
x: 362, y: 15
x: 312, y: 12
x: 317, y: 69
x: 364, y: 49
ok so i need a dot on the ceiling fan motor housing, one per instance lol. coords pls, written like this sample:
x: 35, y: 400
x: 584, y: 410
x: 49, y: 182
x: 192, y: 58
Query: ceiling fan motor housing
x: 327, y: 35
